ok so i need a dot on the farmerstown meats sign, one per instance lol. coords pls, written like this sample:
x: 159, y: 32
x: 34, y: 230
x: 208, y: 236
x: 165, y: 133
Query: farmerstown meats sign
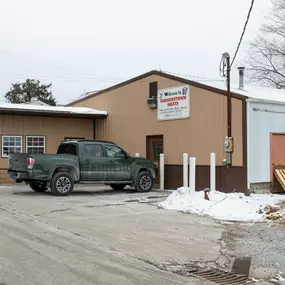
x: 173, y: 103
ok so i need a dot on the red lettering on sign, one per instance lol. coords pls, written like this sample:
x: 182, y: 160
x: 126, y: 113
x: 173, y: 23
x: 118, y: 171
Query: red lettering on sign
x: 177, y: 98
x: 172, y: 104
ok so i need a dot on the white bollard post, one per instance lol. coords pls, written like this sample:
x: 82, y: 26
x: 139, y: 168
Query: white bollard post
x: 161, y: 171
x: 212, y: 172
x: 192, y: 173
x: 185, y: 169
x: 137, y: 154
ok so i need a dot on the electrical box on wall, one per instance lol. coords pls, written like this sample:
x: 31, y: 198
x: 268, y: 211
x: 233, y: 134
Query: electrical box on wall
x: 228, y: 144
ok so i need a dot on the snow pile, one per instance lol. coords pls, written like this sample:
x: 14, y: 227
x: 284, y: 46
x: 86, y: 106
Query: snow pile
x: 222, y: 206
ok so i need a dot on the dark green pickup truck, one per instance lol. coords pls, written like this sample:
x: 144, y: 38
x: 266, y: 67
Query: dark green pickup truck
x: 83, y: 161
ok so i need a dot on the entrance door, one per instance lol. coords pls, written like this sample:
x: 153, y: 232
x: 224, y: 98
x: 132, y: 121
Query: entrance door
x: 154, y: 149
x: 277, y: 151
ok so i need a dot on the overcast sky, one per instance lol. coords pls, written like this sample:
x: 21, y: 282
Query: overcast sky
x: 90, y: 45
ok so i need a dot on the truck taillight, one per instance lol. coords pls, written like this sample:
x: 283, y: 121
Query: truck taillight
x: 30, y: 162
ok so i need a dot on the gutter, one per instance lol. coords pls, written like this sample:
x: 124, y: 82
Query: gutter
x: 253, y: 100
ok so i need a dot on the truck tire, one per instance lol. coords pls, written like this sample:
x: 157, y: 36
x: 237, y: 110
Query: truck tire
x: 144, y: 182
x: 38, y: 187
x: 118, y: 186
x: 61, y: 184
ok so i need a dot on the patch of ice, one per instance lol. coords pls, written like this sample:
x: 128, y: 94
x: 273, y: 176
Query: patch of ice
x: 221, y: 206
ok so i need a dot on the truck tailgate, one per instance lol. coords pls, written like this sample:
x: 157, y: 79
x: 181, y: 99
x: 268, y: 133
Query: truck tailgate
x: 18, y: 162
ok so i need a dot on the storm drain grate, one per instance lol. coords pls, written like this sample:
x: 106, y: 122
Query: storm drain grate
x: 241, y: 266
x: 221, y: 277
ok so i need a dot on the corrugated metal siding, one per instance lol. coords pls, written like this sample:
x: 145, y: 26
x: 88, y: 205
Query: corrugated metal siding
x: 260, y: 125
x: 55, y: 129
x: 130, y: 121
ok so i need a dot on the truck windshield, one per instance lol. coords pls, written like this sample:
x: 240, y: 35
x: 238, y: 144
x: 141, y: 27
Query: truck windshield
x: 67, y: 148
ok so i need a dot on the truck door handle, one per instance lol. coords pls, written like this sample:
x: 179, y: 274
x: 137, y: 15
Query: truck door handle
x: 86, y: 160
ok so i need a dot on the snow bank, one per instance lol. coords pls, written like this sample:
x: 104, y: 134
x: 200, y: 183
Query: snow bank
x: 221, y: 206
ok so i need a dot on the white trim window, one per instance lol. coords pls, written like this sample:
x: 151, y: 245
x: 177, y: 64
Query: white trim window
x: 11, y: 144
x: 35, y: 144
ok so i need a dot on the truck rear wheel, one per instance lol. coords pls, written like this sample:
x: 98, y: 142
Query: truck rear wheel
x: 144, y: 182
x: 61, y: 184
x: 38, y: 187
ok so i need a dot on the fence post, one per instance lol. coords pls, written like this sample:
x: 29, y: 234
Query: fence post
x: 213, y: 172
x: 161, y: 171
x: 185, y: 169
x: 192, y: 173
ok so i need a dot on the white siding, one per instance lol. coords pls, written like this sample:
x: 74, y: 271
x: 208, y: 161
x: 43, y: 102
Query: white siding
x: 260, y: 124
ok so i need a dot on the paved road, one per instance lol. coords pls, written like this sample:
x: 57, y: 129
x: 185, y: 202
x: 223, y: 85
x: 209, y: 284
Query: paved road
x: 98, y: 236
x: 91, y: 238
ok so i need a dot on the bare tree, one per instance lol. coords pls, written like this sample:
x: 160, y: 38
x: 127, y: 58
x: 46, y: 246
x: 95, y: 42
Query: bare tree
x: 266, y: 59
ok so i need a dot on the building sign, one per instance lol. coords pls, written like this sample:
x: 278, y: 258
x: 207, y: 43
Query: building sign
x: 173, y: 103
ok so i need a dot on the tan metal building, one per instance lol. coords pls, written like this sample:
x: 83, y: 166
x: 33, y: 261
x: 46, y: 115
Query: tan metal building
x: 40, y: 129
x: 136, y: 127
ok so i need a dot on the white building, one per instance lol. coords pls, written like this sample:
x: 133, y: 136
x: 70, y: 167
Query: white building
x: 265, y: 128
x: 265, y: 136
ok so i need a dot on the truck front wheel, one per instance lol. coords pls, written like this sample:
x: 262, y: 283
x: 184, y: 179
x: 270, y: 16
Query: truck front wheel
x: 38, y: 187
x: 61, y: 184
x: 144, y: 182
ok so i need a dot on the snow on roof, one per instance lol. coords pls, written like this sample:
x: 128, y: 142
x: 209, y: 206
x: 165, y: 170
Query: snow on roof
x: 35, y: 101
x: 251, y: 91
x: 51, y: 109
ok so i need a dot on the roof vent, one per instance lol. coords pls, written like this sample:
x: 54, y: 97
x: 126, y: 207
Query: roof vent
x: 241, y: 77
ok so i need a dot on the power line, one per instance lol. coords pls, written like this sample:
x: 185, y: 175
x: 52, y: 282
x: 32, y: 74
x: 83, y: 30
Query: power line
x: 98, y: 80
x: 193, y: 76
x: 89, y: 76
x: 244, y: 28
x: 47, y: 77
x: 44, y: 62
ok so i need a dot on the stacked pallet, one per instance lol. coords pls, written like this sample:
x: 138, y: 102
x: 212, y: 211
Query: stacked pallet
x: 278, y: 183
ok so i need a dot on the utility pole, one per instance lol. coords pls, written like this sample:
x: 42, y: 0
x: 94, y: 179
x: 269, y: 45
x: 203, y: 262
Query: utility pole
x: 225, y: 70
x: 229, y: 103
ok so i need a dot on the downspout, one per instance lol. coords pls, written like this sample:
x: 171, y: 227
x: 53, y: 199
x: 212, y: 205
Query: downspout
x: 241, y: 70
x: 248, y: 127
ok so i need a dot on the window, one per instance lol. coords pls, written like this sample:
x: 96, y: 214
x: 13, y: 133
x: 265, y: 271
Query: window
x: 153, y: 89
x: 67, y: 148
x: 11, y: 144
x: 114, y: 151
x: 93, y: 150
x: 35, y: 144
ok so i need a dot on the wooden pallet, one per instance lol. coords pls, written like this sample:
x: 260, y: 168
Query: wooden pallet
x: 279, y: 176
